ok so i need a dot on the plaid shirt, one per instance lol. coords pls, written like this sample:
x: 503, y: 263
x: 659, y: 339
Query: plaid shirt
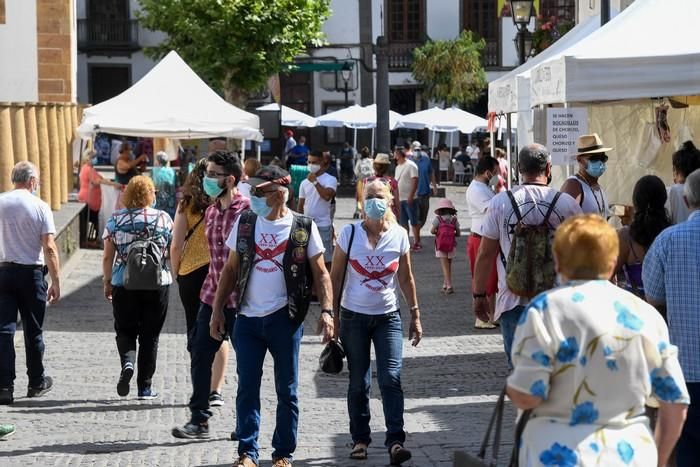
x: 218, y: 225
x: 672, y: 275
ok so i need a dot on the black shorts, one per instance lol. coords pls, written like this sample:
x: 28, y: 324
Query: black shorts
x: 422, y: 206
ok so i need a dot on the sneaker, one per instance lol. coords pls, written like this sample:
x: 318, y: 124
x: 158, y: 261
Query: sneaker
x: 125, y: 379
x: 6, y: 431
x: 245, y: 461
x: 6, y: 396
x: 281, y: 462
x: 483, y: 324
x: 42, y: 389
x: 417, y: 247
x: 191, y: 431
x: 146, y: 394
x: 215, y: 399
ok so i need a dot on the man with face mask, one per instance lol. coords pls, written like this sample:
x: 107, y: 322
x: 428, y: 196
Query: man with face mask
x: 315, y: 196
x: 479, y: 195
x: 584, y: 186
x: 220, y: 184
x: 26, y: 243
x: 275, y: 255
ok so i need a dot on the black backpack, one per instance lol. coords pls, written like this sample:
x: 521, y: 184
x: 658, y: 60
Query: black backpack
x: 143, y: 265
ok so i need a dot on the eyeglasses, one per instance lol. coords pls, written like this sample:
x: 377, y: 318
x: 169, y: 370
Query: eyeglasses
x: 598, y: 158
x: 216, y: 174
x: 376, y: 196
x: 260, y: 193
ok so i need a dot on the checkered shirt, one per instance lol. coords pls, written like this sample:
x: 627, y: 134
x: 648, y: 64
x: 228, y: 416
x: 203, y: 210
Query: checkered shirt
x: 671, y: 274
x: 218, y: 224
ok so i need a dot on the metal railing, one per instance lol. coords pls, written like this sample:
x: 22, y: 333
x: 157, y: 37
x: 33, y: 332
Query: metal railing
x: 117, y: 35
x: 401, y: 56
x: 492, y: 53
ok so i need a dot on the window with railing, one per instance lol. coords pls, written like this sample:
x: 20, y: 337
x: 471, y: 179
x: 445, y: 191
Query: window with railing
x: 481, y: 17
x: 562, y: 9
x: 406, y: 20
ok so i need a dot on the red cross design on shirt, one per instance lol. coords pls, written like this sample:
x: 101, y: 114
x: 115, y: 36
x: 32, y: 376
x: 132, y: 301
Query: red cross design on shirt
x: 269, y: 254
x: 376, y: 275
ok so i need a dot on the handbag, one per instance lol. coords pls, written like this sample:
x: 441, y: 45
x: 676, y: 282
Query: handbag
x: 464, y: 459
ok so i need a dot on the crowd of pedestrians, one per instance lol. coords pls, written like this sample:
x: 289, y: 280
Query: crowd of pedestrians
x: 599, y: 326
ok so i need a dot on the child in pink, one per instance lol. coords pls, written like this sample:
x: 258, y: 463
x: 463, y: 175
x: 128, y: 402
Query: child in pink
x: 446, y: 229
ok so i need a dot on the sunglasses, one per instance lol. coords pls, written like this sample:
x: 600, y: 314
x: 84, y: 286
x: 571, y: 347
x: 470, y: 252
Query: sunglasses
x: 260, y: 193
x: 216, y: 174
x: 598, y: 158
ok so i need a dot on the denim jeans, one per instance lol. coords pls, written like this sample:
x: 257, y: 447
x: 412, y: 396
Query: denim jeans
x: 23, y: 290
x: 688, y: 447
x: 252, y: 339
x: 203, y: 350
x: 358, y: 331
x: 509, y: 321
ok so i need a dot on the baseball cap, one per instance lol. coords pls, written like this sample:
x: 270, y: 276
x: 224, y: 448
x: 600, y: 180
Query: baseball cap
x: 269, y: 174
x: 416, y: 145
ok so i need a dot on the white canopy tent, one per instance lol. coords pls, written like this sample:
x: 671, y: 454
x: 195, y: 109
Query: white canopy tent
x: 171, y: 101
x: 290, y: 116
x: 650, y: 50
x: 357, y: 118
x: 443, y: 120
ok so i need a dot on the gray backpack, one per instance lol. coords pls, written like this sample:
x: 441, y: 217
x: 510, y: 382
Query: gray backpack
x: 143, y: 265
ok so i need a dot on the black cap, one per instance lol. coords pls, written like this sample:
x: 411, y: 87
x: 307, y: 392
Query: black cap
x: 268, y: 175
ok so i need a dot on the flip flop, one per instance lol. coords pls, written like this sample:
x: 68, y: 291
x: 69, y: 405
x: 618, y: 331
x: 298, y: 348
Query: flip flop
x: 358, y: 453
x: 398, y: 454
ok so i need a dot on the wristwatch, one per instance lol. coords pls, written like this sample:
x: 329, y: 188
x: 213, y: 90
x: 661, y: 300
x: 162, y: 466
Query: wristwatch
x: 315, y: 182
x: 330, y: 312
x: 478, y: 295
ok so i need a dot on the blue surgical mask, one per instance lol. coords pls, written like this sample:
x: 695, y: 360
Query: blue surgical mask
x: 375, y: 208
x: 211, y: 187
x: 595, y: 168
x: 94, y: 161
x: 259, y: 206
x: 153, y: 204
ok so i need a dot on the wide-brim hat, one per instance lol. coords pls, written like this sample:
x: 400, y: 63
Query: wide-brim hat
x: 445, y: 203
x: 382, y: 158
x: 269, y: 174
x: 416, y: 145
x: 590, y: 144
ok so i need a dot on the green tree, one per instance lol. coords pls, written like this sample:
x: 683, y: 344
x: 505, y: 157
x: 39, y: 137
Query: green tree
x: 235, y: 45
x: 451, y: 71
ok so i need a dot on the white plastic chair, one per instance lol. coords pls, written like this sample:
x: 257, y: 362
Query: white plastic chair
x: 459, y: 172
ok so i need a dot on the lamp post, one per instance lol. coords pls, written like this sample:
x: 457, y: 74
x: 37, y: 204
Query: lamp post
x: 521, y: 10
x: 346, y: 74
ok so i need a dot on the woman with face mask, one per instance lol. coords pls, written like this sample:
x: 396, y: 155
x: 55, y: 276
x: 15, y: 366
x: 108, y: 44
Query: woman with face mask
x: 584, y: 186
x: 371, y: 263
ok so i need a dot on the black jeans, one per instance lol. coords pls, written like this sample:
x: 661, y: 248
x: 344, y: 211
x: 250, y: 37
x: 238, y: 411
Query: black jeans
x: 22, y: 289
x: 688, y: 447
x: 139, y: 314
x: 188, y: 287
x: 203, y: 350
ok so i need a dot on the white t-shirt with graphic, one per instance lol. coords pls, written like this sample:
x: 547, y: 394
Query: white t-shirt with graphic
x: 266, y: 291
x: 533, y: 202
x: 371, y: 282
x: 316, y: 207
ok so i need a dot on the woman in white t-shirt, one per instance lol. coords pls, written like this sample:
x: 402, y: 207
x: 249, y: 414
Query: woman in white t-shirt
x: 365, y: 285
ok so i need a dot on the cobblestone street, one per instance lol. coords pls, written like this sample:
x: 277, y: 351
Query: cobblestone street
x: 450, y: 382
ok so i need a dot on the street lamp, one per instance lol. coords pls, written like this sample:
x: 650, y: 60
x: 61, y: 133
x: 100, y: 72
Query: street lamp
x: 346, y: 74
x: 521, y: 10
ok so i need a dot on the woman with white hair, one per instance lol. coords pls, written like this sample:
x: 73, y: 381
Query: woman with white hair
x: 371, y: 263
x: 166, y: 183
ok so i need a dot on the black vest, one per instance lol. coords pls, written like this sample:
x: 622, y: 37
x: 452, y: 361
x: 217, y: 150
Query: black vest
x: 297, y: 270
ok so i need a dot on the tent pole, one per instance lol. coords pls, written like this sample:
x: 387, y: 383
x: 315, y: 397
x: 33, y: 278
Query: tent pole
x: 242, y: 149
x: 259, y: 149
x: 371, y: 152
x: 493, y: 143
x: 508, y: 147
x: 354, y: 139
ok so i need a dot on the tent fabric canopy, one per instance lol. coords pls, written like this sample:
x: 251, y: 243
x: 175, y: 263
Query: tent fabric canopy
x: 648, y: 50
x: 171, y: 101
x: 357, y: 117
x: 443, y: 120
x: 290, y: 116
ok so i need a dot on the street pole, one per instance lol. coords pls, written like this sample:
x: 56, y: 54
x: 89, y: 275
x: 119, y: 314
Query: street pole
x: 604, y: 12
x: 521, y: 45
x: 346, y: 92
x: 381, y: 51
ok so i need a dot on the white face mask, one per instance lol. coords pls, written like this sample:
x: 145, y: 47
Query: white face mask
x: 493, y: 181
x: 313, y: 168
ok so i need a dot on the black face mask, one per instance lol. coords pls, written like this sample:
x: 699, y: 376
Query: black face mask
x: 549, y: 179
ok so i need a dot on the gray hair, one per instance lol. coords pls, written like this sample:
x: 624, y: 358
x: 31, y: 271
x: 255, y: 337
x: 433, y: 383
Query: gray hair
x: 533, y: 159
x: 692, y: 189
x: 23, y: 171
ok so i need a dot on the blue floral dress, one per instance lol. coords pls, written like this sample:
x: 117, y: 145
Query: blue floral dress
x: 596, y: 354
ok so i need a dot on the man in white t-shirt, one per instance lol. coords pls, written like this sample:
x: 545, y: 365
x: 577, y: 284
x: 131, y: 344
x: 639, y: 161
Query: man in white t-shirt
x: 267, y: 273
x: 315, y: 196
x: 26, y: 243
x: 479, y: 194
x: 533, y: 198
x: 406, y: 175
x: 685, y: 161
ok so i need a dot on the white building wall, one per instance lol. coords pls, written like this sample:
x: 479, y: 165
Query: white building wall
x: 442, y: 19
x: 343, y: 25
x: 18, y: 53
x: 592, y: 8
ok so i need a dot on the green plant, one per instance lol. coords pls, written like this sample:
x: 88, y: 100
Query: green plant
x: 451, y: 71
x: 548, y: 31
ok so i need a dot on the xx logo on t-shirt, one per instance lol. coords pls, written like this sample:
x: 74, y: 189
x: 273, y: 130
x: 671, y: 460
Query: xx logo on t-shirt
x: 374, y: 270
x: 267, y: 249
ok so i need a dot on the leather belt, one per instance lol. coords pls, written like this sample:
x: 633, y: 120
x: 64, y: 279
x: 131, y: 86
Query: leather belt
x: 21, y: 266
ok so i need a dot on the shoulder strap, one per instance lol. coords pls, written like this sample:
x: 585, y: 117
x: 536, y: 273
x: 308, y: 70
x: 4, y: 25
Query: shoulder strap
x: 347, y: 260
x: 515, y: 205
x: 191, y: 231
x: 545, y: 221
x: 583, y: 191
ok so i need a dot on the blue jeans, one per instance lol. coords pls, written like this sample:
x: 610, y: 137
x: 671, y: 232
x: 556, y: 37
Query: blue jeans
x: 509, y: 321
x: 253, y: 337
x: 688, y: 447
x: 203, y: 350
x: 408, y: 213
x: 23, y: 290
x: 358, y: 332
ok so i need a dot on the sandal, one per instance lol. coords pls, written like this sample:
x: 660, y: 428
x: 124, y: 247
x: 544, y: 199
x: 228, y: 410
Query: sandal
x: 359, y: 452
x: 449, y: 290
x: 398, y: 454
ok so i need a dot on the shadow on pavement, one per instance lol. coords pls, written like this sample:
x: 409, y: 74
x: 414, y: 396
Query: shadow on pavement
x: 93, y: 448
x: 101, y: 406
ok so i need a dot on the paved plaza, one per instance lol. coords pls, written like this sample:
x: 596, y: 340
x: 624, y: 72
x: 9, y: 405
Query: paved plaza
x: 450, y: 382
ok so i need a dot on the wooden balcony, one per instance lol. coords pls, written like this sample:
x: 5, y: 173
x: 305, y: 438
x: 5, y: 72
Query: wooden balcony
x: 401, y: 55
x: 119, y: 37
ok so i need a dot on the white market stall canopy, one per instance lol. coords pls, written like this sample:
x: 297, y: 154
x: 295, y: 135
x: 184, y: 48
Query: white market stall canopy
x: 511, y: 92
x: 651, y: 49
x: 443, y: 120
x: 357, y: 117
x: 171, y: 101
x: 290, y: 116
